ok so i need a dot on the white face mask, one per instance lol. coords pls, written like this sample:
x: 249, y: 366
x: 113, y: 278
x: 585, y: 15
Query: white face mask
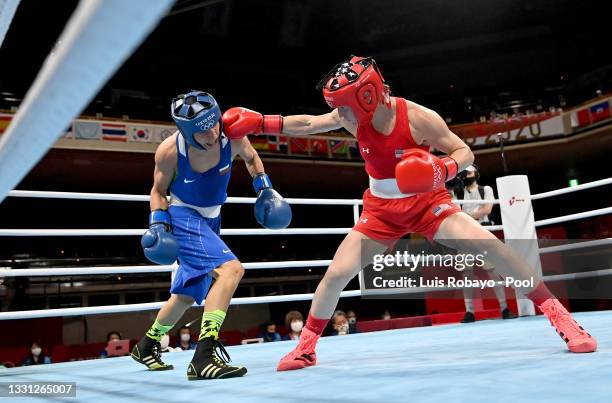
x: 352, y: 321
x: 296, y: 326
x: 343, y: 329
x: 185, y: 337
x: 386, y: 317
x: 36, y: 351
x: 165, y: 340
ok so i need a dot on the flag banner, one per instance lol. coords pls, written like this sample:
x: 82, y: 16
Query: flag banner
x: 86, y: 130
x: 114, y: 132
x: 319, y: 147
x: 141, y: 134
x: 160, y: 133
x: 339, y: 147
x: 601, y: 111
x: 298, y: 145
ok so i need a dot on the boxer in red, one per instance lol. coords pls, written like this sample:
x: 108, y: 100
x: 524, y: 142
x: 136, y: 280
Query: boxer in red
x: 406, y: 192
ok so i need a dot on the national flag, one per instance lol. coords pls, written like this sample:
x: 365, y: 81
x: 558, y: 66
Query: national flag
x: 273, y: 143
x: 298, y: 146
x: 5, y: 120
x: 583, y: 117
x: 114, y: 132
x: 160, y: 133
x: 600, y: 111
x: 86, y: 130
x: 260, y: 143
x: 282, y: 144
x: 339, y: 147
x: 140, y: 134
x: 319, y: 146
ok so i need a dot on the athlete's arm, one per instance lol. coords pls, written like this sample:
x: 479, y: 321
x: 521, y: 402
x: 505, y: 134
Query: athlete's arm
x: 240, y: 122
x: 245, y: 150
x: 165, y: 167
x: 428, y: 128
x: 314, y: 124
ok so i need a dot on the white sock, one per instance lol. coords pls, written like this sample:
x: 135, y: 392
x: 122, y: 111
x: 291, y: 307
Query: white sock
x: 500, y: 293
x: 469, y: 306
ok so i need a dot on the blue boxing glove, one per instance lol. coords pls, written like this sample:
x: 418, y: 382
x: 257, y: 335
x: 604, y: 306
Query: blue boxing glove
x: 271, y: 210
x: 158, y: 242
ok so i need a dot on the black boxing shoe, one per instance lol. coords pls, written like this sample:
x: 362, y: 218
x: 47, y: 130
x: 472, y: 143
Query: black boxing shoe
x: 468, y: 317
x: 508, y: 314
x: 148, y: 353
x: 210, y: 362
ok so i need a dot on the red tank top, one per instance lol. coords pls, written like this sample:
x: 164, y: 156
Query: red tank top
x: 381, y: 153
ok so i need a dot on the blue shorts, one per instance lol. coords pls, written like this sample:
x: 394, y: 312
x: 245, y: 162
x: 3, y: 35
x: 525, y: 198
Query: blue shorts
x: 201, y: 250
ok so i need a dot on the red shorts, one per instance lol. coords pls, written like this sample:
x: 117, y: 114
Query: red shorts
x: 388, y: 219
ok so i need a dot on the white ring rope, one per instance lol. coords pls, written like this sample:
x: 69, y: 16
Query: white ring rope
x: 576, y: 245
x: 96, y: 310
x: 94, y: 270
x: 131, y: 232
x: 571, y: 189
x: 98, y: 270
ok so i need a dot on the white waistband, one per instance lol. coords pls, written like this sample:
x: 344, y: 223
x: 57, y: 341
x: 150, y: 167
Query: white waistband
x: 206, y: 212
x: 387, y: 189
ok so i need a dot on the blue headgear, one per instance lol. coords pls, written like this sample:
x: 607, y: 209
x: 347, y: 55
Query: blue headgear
x: 194, y: 112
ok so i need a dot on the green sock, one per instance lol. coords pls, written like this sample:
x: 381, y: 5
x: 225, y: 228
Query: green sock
x: 157, y: 330
x: 211, y: 323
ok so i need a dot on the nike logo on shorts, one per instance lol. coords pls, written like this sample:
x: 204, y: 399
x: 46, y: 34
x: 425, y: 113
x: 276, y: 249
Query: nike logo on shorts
x: 225, y: 251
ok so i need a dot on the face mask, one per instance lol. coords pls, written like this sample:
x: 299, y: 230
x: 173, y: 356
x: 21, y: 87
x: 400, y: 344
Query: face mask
x: 36, y: 351
x: 343, y: 329
x: 296, y: 326
x: 185, y: 337
x: 165, y: 340
x: 469, y: 181
x: 386, y: 317
x: 352, y: 321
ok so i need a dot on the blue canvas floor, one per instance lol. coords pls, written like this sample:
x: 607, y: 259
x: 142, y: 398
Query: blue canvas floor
x: 489, y: 361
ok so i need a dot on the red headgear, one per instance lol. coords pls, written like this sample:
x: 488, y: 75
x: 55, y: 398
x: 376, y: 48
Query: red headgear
x: 357, y: 83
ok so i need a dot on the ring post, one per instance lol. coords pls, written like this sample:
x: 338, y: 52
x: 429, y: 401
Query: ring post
x: 519, y: 225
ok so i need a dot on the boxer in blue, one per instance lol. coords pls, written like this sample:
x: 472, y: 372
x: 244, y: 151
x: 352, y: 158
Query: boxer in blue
x: 195, y: 165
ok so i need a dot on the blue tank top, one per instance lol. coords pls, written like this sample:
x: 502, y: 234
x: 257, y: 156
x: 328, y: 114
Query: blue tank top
x: 204, y: 189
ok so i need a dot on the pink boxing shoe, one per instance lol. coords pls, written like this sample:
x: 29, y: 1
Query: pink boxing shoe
x: 304, y: 353
x: 577, y: 339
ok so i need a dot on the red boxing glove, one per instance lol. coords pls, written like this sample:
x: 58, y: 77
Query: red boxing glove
x: 421, y: 172
x: 240, y: 122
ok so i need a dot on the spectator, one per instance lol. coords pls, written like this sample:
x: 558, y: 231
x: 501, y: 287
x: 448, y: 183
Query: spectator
x: 351, y: 316
x: 294, y: 322
x: 269, y: 333
x: 113, y: 335
x: 480, y: 212
x: 386, y: 315
x: 36, y: 356
x: 184, y: 339
x: 340, y: 324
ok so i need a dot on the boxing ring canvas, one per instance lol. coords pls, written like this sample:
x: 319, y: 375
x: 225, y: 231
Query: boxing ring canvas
x: 487, y: 361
